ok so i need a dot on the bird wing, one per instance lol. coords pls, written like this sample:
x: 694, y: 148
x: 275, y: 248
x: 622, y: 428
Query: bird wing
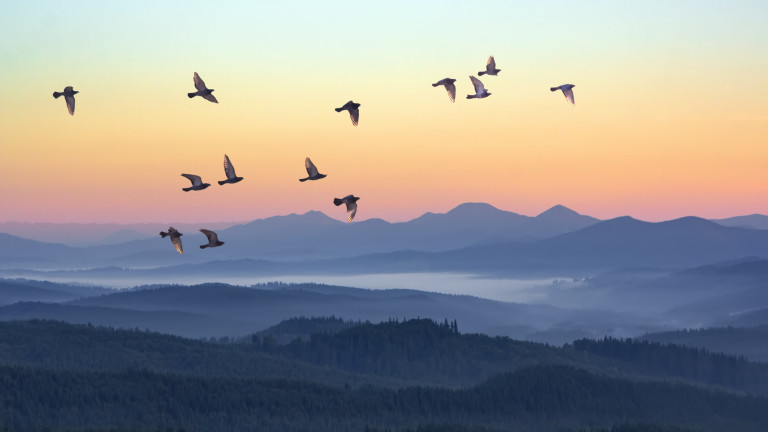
x: 70, y: 103
x: 451, y: 88
x: 354, y: 114
x: 351, y: 210
x: 199, y: 83
x: 212, y: 237
x: 176, y: 240
x: 172, y: 230
x: 479, y: 87
x: 210, y: 97
x: 196, y: 180
x: 491, y: 65
x: 569, y: 95
x: 311, y: 169
x: 228, y: 168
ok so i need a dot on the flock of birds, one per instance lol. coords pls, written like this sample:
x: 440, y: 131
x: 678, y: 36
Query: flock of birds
x: 312, y: 173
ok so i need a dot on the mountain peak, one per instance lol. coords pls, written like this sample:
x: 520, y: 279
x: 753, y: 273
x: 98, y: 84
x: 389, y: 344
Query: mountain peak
x: 558, y: 211
x: 473, y: 208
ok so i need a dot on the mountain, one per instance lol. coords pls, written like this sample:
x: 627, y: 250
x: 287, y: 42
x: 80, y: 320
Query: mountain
x: 315, y: 236
x: 755, y: 221
x: 20, y: 252
x: 208, y: 310
x: 15, y: 290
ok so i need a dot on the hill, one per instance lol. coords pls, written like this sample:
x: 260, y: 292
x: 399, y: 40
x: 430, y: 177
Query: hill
x: 749, y: 342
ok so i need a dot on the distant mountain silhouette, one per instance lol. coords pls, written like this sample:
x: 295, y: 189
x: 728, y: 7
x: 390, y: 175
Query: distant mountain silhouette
x: 314, y: 236
x: 756, y: 221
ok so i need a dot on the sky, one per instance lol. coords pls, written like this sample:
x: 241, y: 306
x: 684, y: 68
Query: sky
x: 671, y: 114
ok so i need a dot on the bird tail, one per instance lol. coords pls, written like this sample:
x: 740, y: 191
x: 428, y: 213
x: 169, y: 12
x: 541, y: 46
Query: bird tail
x: 304, y: 179
x: 339, y: 109
x: 203, y: 246
x: 163, y: 234
x: 471, y: 96
x: 191, y: 95
x: 338, y: 201
x: 435, y: 85
x: 57, y: 94
x: 221, y: 182
x: 553, y: 89
x: 481, y: 73
x: 186, y: 189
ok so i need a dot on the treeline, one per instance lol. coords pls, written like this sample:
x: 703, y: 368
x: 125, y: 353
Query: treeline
x: 696, y: 364
x: 751, y: 342
x: 543, y: 398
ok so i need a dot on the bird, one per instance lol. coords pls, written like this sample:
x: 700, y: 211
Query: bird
x: 490, y: 68
x: 567, y: 92
x: 480, y: 91
x: 311, y: 171
x: 202, y: 90
x: 69, y: 97
x: 175, y: 238
x: 213, y: 239
x: 354, y: 113
x: 351, y: 202
x: 197, y: 183
x: 449, y: 87
x: 230, y: 171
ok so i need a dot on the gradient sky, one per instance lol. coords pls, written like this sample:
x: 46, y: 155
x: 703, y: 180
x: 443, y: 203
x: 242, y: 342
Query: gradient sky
x: 671, y: 115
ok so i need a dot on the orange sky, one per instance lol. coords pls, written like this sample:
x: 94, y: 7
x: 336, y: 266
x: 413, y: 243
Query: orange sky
x: 670, y: 118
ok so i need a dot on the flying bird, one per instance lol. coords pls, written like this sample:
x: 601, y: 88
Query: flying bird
x: 175, y: 238
x: 311, y: 171
x: 490, y: 68
x: 230, y: 171
x: 213, y: 239
x: 449, y: 87
x: 354, y: 113
x: 480, y: 91
x: 202, y: 90
x: 69, y: 98
x: 351, y: 202
x: 567, y: 92
x: 197, y: 183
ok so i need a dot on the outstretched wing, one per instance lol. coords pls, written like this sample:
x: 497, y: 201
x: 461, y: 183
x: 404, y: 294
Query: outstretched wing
x: 228, y: 168
x: 569, y: 95
x: 199, y: 83
x: 210, y: 97
x: 212, y: 237
x: 351, y: 210
x: 176, y: 240
x: 71, y: 104
x: 491, y: 65
x: 354, y: 115
x: 311, y: 169
x: 196, y: 180
x: 479, y: 87
x: 451, y: 88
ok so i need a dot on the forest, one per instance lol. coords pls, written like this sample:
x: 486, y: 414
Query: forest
x: 398, y: 375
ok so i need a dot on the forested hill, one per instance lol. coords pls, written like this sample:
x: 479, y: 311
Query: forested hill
x: 541, y: 398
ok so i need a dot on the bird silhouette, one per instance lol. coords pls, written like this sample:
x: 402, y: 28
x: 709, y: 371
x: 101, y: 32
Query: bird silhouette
x: 197, y: 183
x: 229, y: 170
x: 213, y: 239
x: 567, y: 92
x: 480, y: 91
x: 175, y: 238
x: 490, y: 68
x: 311, y: 171
x: 450, y: 87
x: 354, y: 113
x: 202, y: 90
x: 69, y: 98
x: 351, y: 202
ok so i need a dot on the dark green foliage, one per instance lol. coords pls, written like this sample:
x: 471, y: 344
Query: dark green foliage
x: 537, y: 398
x: 683, y: 362
x: 750, y: 342
x: 303, y: 328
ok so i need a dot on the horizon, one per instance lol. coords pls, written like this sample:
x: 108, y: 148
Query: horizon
x: 227, y: 223
x: 659, y: 130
